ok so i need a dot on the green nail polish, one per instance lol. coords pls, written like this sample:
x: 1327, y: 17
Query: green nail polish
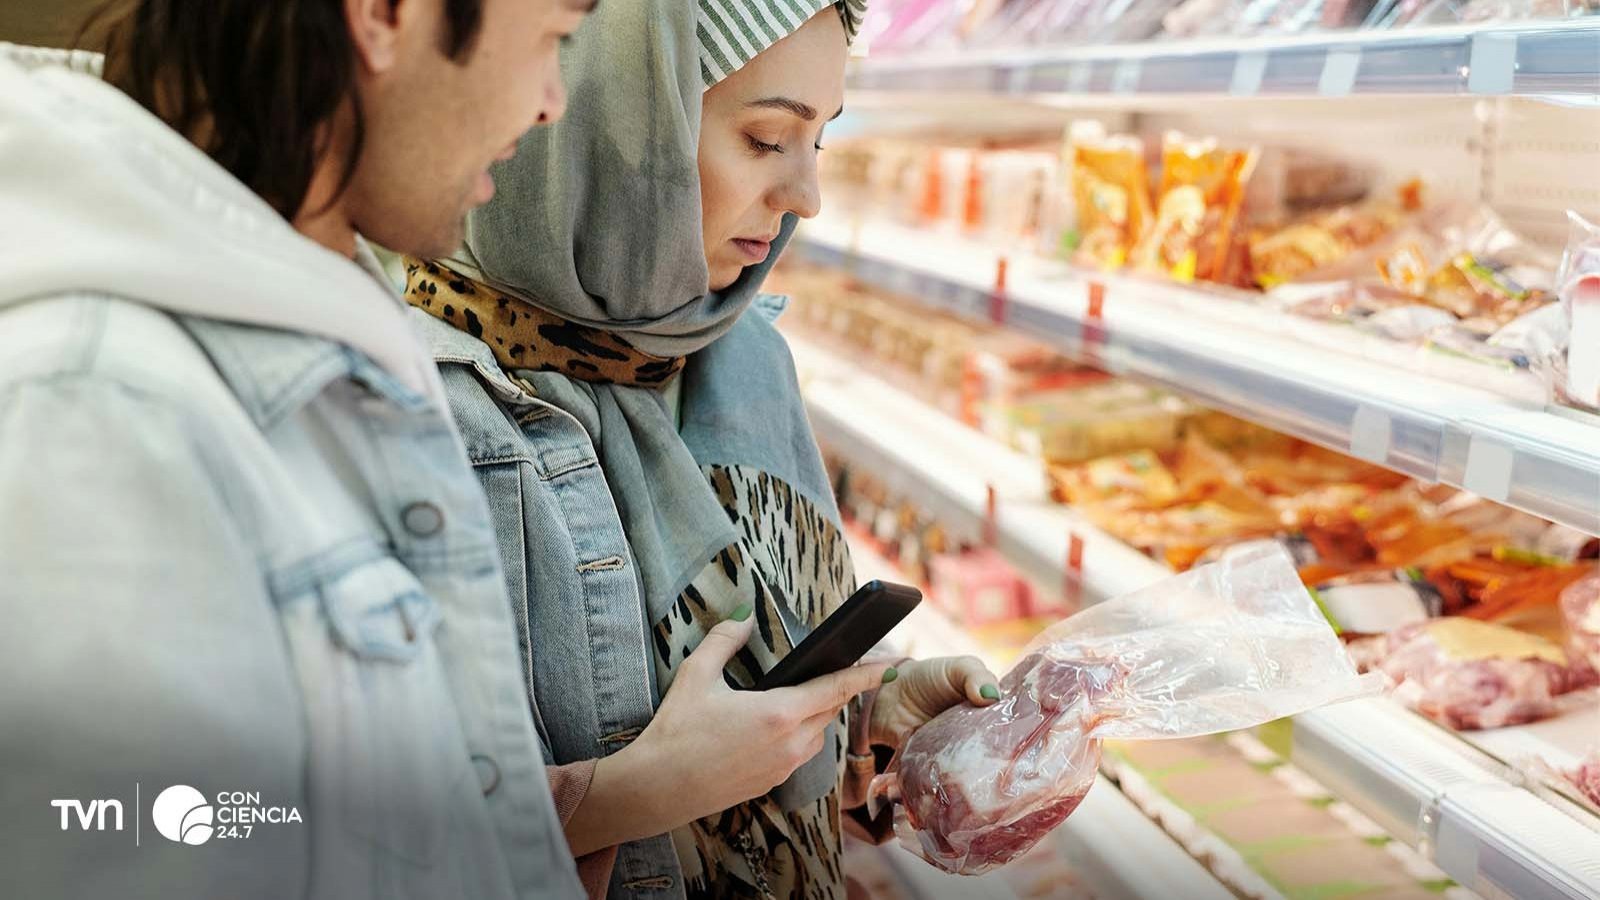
x: 989, y: 692
x: 890, y: 674
x: 742, y: 613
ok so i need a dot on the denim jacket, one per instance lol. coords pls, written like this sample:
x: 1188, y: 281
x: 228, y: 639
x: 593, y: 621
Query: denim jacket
x: 252, y: 562
x: 561, y: 531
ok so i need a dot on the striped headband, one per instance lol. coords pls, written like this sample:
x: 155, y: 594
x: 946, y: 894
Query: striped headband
x: 732, y: 32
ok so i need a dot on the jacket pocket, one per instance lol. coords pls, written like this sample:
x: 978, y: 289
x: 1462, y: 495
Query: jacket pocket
x: 389, y: 758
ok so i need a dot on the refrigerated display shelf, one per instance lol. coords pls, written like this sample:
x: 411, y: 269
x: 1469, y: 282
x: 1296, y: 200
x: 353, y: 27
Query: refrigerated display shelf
x: 1318, y: 382
x: 1428, y: 787
x: 1553, y: 60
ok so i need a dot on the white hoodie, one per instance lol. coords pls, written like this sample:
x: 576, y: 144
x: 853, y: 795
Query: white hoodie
x: 99, y: 196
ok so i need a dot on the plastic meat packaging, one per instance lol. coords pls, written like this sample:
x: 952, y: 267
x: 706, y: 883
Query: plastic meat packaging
x: 1469, y: 675
x: 1580, y: 609
x: 1226, y: 646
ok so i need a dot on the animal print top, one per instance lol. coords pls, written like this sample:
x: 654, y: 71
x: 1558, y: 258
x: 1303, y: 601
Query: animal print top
x: 788, y: 552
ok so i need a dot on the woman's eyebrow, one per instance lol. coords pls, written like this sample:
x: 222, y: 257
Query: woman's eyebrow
x: 800, y: 110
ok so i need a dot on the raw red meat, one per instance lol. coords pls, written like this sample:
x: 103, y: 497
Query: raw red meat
x: 1580, y: 608
x: 1586, y: 778
x: 982, y: 785
x: 1483, y: 691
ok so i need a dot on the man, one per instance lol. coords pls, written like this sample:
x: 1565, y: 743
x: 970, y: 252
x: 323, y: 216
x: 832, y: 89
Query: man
x: 256, y: 641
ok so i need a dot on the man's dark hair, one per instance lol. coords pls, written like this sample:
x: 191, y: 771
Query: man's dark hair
x: 251, y: 82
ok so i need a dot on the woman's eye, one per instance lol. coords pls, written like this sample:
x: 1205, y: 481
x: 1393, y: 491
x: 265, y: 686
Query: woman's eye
x: 760, y: 146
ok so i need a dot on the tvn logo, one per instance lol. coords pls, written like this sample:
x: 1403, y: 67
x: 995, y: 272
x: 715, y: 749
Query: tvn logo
x: 92, y: 815
x: 181, y: 814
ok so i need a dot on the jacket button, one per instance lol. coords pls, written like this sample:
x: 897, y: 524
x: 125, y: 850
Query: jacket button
x: 422, y: 519
x: 488, y: 773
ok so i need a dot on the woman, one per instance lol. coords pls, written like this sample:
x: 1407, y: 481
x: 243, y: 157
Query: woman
x: 660, y: 501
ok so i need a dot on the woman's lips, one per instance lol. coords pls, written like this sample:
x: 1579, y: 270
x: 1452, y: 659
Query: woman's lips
x: 754, y: 251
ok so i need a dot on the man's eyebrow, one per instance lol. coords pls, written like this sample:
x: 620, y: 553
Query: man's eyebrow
x: 801, y: 110
x: 583, y: 6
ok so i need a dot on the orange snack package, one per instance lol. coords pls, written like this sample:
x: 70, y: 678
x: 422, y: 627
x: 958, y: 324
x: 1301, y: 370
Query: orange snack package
x: 1111, y: 191
x: 1202, y: 188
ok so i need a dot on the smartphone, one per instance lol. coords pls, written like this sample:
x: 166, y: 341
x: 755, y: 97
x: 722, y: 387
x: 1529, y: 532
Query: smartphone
x: 846, y: 635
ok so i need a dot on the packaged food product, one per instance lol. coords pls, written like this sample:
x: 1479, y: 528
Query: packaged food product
x: 1308, y: 248
x: 1585, y: 776
x: 1111, y: 191
x: 1580, y: 610
x: 1578, y: 283
x: 1224, y: 647
x: 979, y: 587
x: 1469, y: 675
x: 1202, y: 187
x: 1377, y: 602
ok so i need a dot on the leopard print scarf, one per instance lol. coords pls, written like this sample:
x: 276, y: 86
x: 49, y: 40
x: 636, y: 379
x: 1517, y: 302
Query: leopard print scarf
x: 524, y: 336
x: 788, y: 552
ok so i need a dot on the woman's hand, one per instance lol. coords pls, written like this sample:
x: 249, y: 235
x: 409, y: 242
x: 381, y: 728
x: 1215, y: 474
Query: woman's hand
x: 710, y: 747
x: 925, y: 688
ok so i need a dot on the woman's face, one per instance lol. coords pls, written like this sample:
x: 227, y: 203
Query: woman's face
x: 760, y: 132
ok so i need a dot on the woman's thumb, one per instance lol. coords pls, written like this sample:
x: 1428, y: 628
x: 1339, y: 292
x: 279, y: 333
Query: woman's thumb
x: 722, y: 643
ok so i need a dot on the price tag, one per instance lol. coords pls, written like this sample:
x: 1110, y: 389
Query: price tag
x: 1489, y: 469
x: 1339, y: 71
x: 1125, y: 80
x: 1078, y: 77
x: 1492, y: 67
x: 1072, y: 586
x: 997, y: 297
x: 1248, y: 71
x: 1094, y: 330
x: 991, y: 516
x: 1371, y: 433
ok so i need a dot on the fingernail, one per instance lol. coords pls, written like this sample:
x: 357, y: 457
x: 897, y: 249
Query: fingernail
x: 890, y: 674
x: 741, y: 613
x: 989, y: 692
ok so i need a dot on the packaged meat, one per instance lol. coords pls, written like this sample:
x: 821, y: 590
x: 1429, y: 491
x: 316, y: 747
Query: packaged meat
x: 1585, y: 776
x: 1226, y: 646
x: 1578, y: 283
x: 1469, y: 675
x: 1580, y: 610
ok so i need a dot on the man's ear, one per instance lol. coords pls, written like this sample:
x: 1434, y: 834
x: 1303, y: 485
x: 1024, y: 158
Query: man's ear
x: 376, y: 29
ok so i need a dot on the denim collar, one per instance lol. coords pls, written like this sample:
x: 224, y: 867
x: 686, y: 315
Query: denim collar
x: 275, y: 372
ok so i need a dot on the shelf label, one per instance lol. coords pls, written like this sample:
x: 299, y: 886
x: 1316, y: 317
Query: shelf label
x: 1072, y: 581
x: 1489, y: 469
x: 997, y: 297
x: 1339, y: 71
x: 1017, y: 80
x: 991, y: 516
x: 1492, y: 67
x: 1125, y: 80
x: 1371, y: 432
x: 1248, y: 70
x: 1078, y: 77
x: 1094, y: 330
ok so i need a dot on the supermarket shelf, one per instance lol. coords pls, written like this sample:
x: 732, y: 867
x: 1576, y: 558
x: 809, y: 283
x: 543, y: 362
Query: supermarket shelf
x: 1457, y: 425
x: 1548, y: 60
x: 1434, y: 791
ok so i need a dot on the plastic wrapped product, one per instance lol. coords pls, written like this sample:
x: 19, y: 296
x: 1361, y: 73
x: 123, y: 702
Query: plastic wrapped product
x: 1112, y: 193
x: 1469, y: 675
x: 1202, y: 188
x: 1580, y: 610
x: 1578, y: 283
x: 1226, y: 646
